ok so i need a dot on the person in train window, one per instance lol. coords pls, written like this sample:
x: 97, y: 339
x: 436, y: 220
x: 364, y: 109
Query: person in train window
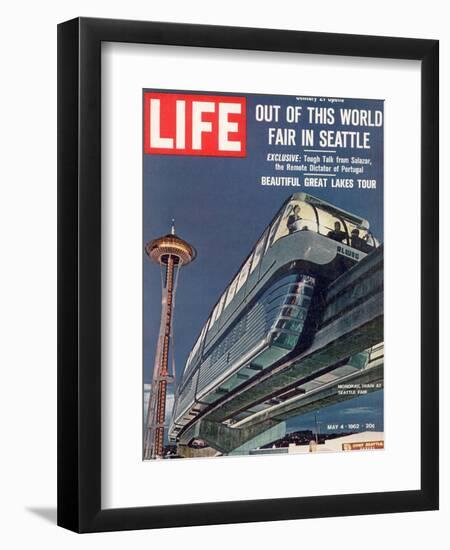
x: 293, y: 217
x: 358, y: 243
x: 337, y: 234
x: 355, y: 239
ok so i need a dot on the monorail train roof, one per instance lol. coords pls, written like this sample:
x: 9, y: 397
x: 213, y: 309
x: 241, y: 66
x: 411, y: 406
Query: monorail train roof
x: 329, y: 207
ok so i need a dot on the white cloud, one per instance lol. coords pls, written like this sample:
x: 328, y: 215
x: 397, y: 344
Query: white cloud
x: 169, y: 402
x: 358, y: 410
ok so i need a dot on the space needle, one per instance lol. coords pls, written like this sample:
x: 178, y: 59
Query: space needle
x: 171, y: 253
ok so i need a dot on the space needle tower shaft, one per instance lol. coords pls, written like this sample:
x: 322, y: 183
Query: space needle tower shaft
x: 171, y: 253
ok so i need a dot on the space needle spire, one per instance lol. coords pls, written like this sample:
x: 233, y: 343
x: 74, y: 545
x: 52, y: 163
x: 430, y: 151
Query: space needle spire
x: 171, y: 253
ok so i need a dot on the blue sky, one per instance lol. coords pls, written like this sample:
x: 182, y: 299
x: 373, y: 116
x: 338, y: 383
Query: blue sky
x: 364, y: 409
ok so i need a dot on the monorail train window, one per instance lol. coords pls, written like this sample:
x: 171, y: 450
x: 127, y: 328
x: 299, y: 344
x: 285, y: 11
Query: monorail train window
x: 205, y: 329
x: 231, y: 291
x: 288, y: 324
x: 296, y: 311
x: 258, y: 252
x: 196, y: 347
x: 297, y: 216
x: 332, y: 226
x: 217, y: 310
x: 244, y: 273
x: 360, y: 238
x: 188, y: 362
x: 273, y: 228
x: 214, y: 314
x: 372, y: 241
x: 307, y: 290
x: 286, y: 339
x: 200, y: 339
x: 221, y: 304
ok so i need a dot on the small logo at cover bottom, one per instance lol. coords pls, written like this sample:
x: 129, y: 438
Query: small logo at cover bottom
x: 363, y: 445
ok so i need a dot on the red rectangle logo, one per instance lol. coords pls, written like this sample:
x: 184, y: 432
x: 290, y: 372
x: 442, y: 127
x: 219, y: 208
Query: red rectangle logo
x: 194, y: 124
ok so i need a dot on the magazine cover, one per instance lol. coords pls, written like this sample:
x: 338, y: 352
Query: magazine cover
x: 262, y: 274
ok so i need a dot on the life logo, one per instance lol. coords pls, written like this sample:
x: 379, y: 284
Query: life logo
x: 193, y: 124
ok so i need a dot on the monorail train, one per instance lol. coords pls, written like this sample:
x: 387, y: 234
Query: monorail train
x: 272, y: 306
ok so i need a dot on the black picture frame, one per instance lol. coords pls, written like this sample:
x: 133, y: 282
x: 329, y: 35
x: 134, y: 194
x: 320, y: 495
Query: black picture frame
x: 79, y: 274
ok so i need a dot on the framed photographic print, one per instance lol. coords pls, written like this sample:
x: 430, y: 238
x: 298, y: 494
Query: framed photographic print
x: 248, y: 228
